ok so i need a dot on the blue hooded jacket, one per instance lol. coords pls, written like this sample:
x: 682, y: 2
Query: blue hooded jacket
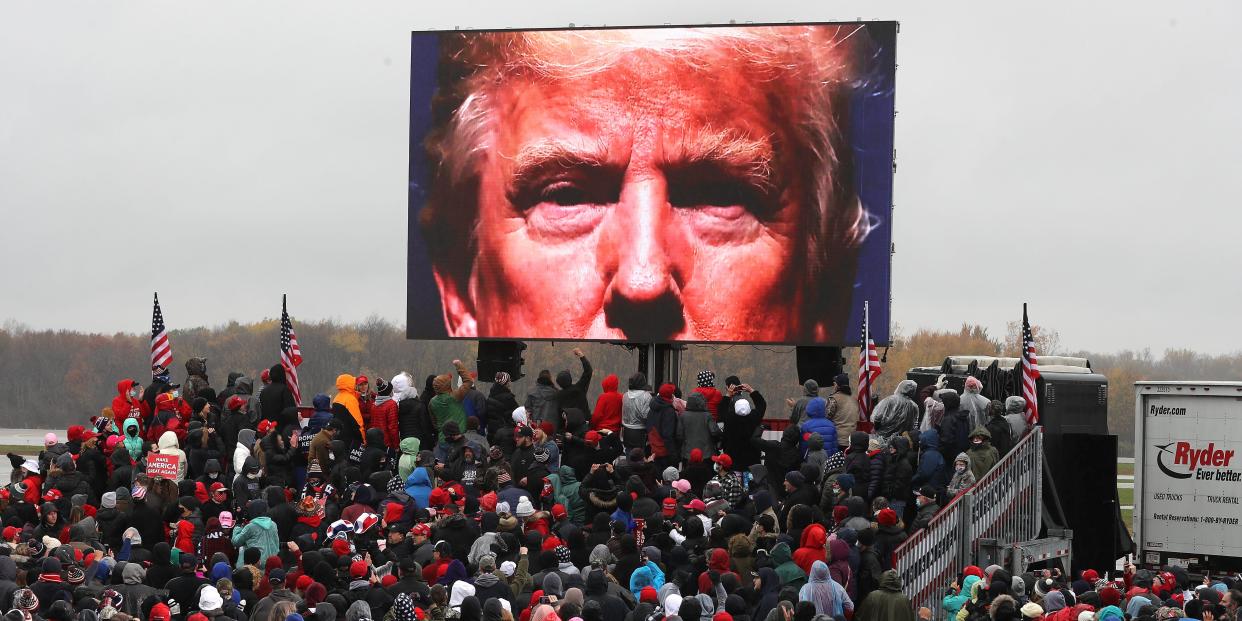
x: 817, y: 422
x: 931, y: 463
x: 418, y: 486
x: 323, y: 414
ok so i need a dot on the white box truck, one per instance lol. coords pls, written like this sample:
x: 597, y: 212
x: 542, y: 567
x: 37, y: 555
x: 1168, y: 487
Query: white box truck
x: 1188, y: 475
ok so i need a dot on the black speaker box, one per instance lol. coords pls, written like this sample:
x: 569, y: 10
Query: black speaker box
x: 497, y: 356
x: 821, y: 364
x: 1084, y: 469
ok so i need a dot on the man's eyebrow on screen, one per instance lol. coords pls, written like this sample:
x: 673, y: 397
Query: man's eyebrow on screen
x: 742, y: 156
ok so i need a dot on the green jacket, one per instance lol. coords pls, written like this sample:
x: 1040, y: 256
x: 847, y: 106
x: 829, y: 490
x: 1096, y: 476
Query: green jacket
x: 982, y: 456
x: 887, y: 603
x: 565, y: 489
x: 259, y: 533
x: 409, y: 456
x: 444, y: 408
x: 788, y: 571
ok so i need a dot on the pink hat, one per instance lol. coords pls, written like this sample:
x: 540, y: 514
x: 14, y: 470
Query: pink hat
x: 49, y: 439
x: 226, y: 519
x: 681, y: 485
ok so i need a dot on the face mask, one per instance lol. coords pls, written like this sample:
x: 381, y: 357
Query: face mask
x: 132, y: 432
x: 213, y: 475
x: 134, y: 393
x: 176, y: 394
x: 836, y: 490
x: 252, y: 475
x: 977, y: 441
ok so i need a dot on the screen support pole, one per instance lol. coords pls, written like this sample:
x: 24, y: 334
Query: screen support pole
x: 663, y: 367
x: 667, y: 367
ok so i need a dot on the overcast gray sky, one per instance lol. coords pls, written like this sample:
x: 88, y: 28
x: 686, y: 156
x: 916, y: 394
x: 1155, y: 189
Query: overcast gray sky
x: 184, y: 146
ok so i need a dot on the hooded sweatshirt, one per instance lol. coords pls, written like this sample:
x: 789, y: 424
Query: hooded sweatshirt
x: 245, y: 441
x: 607, y: 414
x: 812, y: 548
x: 259, y: 533
x: 276, y: 396
x: 789, y: 571
x: 418, y: 486
x: 409, y: 457
x: 983, y: 455
x: 133, y: 439
x: 124, y: 405
x: 167, y: 445
x: 347, y: 396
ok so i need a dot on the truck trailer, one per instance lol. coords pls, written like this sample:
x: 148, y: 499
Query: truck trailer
x: 1188, y: 475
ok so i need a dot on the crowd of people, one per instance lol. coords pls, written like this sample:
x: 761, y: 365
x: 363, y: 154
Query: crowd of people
x: 458, y: 501
x: 993, y: 594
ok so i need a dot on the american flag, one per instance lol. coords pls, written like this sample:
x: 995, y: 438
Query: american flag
x: 290, y: 352
x: 161, y: 348
x: 1030, y: 371
x: 868, y: 366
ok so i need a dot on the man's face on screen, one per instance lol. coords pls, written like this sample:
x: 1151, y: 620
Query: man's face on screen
x: 647, y: 201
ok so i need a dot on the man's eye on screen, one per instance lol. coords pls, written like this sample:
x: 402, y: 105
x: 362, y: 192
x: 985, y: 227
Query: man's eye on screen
x: 565, y: 208
x: 721, y: 192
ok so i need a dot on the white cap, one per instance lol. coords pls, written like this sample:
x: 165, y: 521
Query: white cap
x: 507, y: 568
x: 209, y: 599
x: 31, y: 465
x: 519, y: 415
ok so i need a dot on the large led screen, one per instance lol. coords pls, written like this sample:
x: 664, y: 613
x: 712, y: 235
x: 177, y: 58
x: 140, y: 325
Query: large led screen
x: 722, y: 184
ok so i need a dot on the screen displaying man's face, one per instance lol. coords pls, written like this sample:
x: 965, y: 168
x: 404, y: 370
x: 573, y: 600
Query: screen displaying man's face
x: 644, y: 185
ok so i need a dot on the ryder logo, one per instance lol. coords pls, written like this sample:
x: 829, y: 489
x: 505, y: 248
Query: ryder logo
x: 1187, y: 458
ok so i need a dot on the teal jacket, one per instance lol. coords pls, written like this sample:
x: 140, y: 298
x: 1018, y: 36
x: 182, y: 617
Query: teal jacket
x: 953, y: 603
x: 259, y: 533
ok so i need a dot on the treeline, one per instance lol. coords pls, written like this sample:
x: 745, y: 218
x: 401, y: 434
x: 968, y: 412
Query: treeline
x: 58, y: 378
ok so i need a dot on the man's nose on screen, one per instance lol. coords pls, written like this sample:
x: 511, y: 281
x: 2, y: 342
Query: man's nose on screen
x: 646, y: 263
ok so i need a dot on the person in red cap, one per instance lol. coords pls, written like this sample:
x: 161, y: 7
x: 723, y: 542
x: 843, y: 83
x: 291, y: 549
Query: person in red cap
x: 662, y: 427
x: 366, y: 398
x: 669, y: 508
x: 698, y: 471
x: 730, y: 481
x: 889, y: 534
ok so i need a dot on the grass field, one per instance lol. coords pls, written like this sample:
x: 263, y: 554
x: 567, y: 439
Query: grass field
x: 1125, y: 495
x: 20, y: 449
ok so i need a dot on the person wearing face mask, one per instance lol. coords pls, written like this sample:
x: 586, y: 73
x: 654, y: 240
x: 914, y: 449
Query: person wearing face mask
x: 132, y: 439
x: 158, y: 386
x: 963, y: 477
x: 730, y: 481
x: 128, y: 401
x: 925, y: 498
x: 982, y: 454
x: 249, y: 483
